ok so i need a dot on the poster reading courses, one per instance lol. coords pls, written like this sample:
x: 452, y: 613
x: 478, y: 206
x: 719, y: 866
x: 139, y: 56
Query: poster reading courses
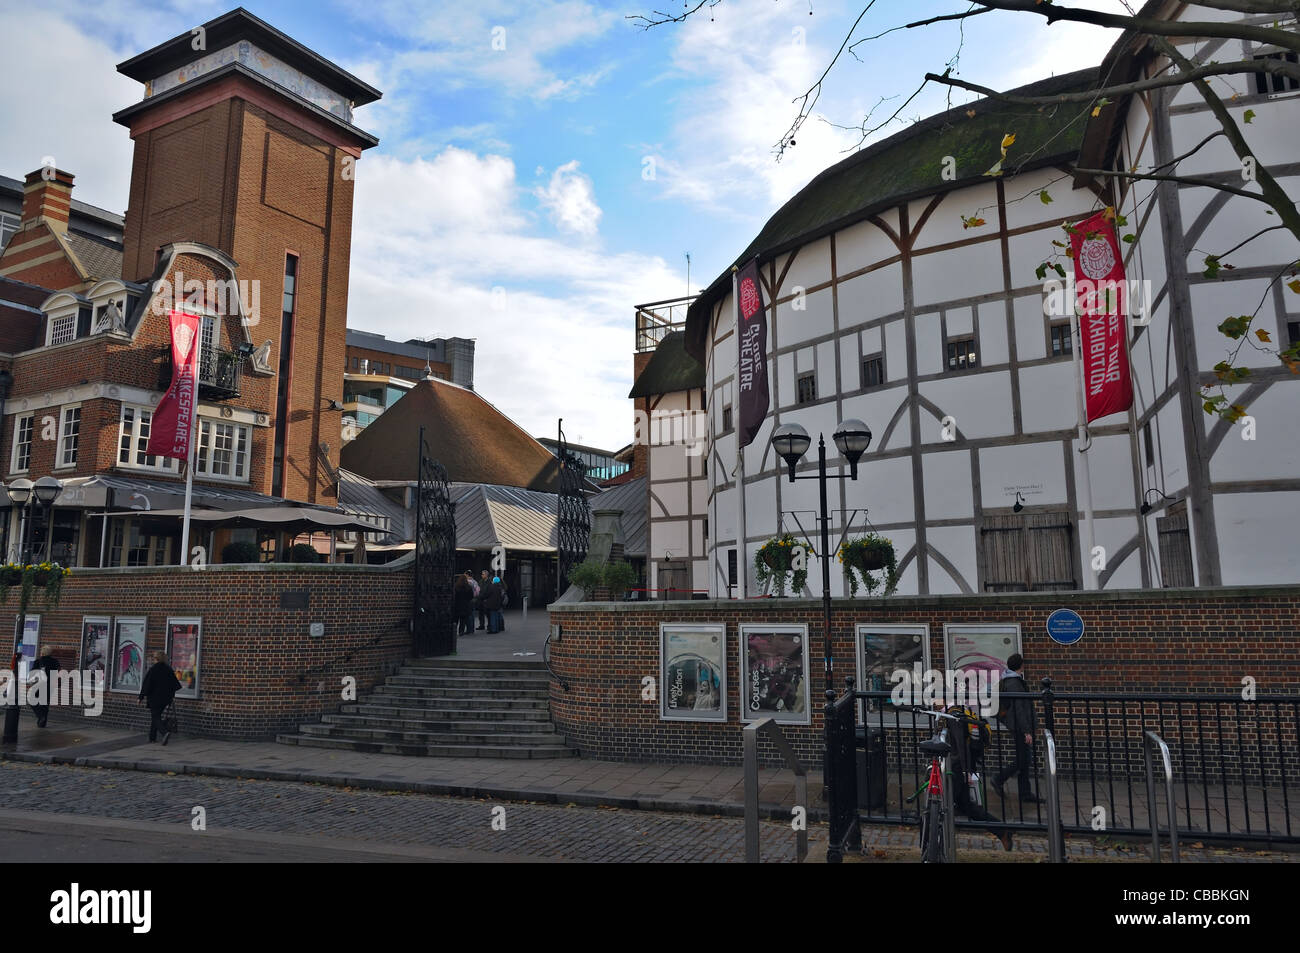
x: 774, y: 673
x: 94, y: 646
x: 128, y: 655
x: 693, y: 672
x: 183, y: 649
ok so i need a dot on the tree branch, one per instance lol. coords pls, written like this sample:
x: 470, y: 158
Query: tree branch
x: 649, y: 21
x: 1185, y: 180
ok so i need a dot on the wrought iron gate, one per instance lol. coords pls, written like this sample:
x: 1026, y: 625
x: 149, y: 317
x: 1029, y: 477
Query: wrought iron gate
x: 573, y: 531
x: 433, y: 624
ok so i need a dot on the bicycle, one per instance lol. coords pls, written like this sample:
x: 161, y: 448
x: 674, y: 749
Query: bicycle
x: 934, y: 821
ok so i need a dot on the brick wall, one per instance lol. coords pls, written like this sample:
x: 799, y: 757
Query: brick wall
x: 260, y: 671
x: 1195, y: 640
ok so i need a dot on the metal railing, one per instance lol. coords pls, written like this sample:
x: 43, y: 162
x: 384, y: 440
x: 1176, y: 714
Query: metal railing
x: 1150, y: 740
x: 657, y: 319
x: 1055, y: 835
x: 1234, y: 765
x: 220, y: 372
x: 750, y: 738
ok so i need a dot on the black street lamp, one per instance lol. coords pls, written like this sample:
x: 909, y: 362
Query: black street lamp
x: 23, y: 493
x: 791, y: 442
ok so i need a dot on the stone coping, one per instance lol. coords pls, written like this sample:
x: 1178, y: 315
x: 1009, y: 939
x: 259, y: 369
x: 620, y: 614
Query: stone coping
x: 395, y: 566
x: 1064, y: 598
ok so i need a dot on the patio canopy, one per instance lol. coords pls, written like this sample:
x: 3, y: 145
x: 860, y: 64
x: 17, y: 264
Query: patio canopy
x: 291, y: 518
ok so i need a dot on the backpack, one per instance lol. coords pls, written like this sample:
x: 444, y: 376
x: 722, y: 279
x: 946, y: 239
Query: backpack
x: 978, y: 731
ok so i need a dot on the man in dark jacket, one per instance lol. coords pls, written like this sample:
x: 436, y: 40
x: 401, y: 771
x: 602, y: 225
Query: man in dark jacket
x: 492, y: 603
x: 483, y: 583
x: 462, y: 600
x: 157, y: 690
x: 1018, y: 718
x: 45, y: 667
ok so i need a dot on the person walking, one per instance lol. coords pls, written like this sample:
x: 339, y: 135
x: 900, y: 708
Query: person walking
x: 44, y: 667
x: 492, y: 603
x: 157, y: 690
x: 473, y: 602
x: 483, y: 584
x: 462, y: 603
x: 1017, y: 715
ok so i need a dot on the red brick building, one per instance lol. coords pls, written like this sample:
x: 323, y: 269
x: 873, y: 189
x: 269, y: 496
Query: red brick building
x: 240, y: 211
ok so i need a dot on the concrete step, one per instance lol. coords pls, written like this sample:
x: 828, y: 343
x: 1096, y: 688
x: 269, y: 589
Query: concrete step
x: 468, y: 691
x: 432, y: 750
x: 489, y: 710
x: 470, y: 681
x: 385, y: 736
x: 449, y: 664
x: 505, y: 724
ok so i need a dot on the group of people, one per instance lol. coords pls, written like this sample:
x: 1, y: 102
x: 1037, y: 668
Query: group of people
x: 484, y: 597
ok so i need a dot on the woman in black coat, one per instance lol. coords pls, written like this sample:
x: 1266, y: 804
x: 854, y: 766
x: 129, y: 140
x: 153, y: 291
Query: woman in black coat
x: 462, y: 602
x: 157, y: 690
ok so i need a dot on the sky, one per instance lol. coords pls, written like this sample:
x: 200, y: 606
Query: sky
x: 543, y: 166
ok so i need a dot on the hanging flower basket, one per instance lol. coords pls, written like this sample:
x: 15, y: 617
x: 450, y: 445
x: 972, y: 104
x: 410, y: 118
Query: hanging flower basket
x: 776, y: 559
x: 47, y: 576
x: 869, y: 562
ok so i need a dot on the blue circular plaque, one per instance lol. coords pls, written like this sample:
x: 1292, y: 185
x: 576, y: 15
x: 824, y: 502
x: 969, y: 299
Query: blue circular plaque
x: 1065, y: 626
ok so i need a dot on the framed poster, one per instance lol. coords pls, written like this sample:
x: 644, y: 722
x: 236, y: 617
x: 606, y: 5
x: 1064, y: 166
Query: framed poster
x: 884, y: 649
x: 27, y: 643
x: 693, y: 672
x: 94, y: 645
x: 774, y: 673
x: 183, y: 650
x: 128, y: 662
x: 969, y: 646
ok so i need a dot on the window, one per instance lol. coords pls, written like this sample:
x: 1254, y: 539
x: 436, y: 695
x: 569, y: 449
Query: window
x: 731, y: 567
x: 8, y: 225
x: 129, y: 546
x: 1148, y: 444
x: 133, y: 441
x: 1266, y: 83
x: 209, y: 335
x: 961, y: 354
x: 873, y: 371
x: 283, y: 370
x: 22, y: 456
x: 1062, y: 339
x: 1028, y: 552
x: 223, y: 450
x: 807, y: 386
x: 1175, y: 549
x: 63, y: 328
x: 1293, y: 332
x: 69, y: 432
x: 726, y: 419
x: 356, y: 362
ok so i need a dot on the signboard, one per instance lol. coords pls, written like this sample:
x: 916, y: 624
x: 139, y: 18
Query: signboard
x: 1065, y: 626
x: 774, y: 673
x: 128, y: 662
x: 970, y: 646
x: 751, y: 370
x: 94, y: 646
x: 693, y: 672
x: 882, y: 650
x: 183, y: 650
x: 27, y: 643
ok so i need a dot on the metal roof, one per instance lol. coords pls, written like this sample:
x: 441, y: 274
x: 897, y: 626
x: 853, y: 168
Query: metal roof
x: 632, y: 498
x: 488, y: 515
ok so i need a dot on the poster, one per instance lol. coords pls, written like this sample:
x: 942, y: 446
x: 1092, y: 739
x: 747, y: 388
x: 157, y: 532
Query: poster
x: 981, y: 647
x: 883, y: 650
x: 128, y: 661
x: 693, y: 672
x: 27, y: 649
x: 94, y: 646
x: 774, y: 673
x: 183, y: 650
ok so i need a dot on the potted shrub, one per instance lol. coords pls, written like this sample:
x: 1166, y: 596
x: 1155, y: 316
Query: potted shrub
x: 303, y: 553
x: 241, y: 552
x: 589, y: 576
x: 869, y: 561
x: 619, y: 576
x: 776, y: 557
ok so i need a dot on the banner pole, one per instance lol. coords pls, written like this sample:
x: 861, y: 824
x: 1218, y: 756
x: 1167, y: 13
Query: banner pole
x: 742, y: 562
x: 1089, y: 573
x: 189, y: 459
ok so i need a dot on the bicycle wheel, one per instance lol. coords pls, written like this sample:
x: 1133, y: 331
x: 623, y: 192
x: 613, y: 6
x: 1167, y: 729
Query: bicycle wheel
x: 932, y: 848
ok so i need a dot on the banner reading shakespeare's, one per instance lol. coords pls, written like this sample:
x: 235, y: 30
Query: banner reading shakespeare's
x: 774, y: 673
x: 751, y: 327
x: 1101, y: 292
x: 173, y: 418
x: 693, y: 669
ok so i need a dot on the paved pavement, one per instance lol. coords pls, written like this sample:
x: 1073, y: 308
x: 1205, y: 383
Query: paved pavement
x: 523, y: 639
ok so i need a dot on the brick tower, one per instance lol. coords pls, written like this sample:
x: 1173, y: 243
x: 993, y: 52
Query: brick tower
x: 244, y: 142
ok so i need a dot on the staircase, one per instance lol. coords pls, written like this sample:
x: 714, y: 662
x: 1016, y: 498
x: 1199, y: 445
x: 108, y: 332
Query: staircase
x: 450, y: 709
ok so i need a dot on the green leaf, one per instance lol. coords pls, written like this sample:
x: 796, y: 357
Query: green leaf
x: 1044, y: 197
x: 1041, y: 271
x: 1059, y: 270
x: 1121, y: 221
x: 1211, y: 266
x: 1249, y: 115
x: 1130, y: 238
x: 1235, y: 327
x: 1294, y: 285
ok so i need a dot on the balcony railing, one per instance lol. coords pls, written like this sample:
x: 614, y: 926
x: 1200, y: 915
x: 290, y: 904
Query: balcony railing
x: 656, y: 320
x: 220, y: 372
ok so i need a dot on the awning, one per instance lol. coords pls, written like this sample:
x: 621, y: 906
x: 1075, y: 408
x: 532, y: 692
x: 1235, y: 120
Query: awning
x: 289, y: 518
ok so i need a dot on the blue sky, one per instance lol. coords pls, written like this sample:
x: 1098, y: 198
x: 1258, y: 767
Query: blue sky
x: 522, y: 169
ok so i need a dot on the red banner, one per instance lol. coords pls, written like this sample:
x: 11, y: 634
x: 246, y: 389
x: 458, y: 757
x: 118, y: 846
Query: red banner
x: 173, y: 419
x: 1101, y: 292
x: 751, y: 332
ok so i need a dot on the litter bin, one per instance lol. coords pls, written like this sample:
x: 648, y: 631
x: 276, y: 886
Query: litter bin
x: 872, y: 773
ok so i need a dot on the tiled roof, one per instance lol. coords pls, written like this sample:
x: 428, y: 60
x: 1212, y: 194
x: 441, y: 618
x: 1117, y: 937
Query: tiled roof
x: 670, y: 369
x: 474, y: 441
x: 99, y: 258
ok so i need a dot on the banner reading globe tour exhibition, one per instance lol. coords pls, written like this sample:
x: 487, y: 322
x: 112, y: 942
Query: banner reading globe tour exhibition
x: 693, y: 669
x: 774, y: 673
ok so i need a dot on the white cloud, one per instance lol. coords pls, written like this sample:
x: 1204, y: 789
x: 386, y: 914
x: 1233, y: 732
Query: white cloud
x: 571, y: 200
x: 433, y: 238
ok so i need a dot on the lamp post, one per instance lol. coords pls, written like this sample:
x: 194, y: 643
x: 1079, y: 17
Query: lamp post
x: 791, y: 442
x: 23, y: 493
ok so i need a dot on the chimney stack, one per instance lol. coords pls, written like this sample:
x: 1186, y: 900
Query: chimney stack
x: 47, y: 193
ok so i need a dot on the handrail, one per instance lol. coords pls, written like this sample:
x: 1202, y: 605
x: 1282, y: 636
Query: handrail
x: 555, y: 629
x: 1055, y: 834
x: 1149, y: 740
x: 750, y: 738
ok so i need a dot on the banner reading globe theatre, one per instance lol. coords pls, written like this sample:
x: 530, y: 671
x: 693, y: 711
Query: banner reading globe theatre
x: 752, y: 371
x: 172, y: 423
